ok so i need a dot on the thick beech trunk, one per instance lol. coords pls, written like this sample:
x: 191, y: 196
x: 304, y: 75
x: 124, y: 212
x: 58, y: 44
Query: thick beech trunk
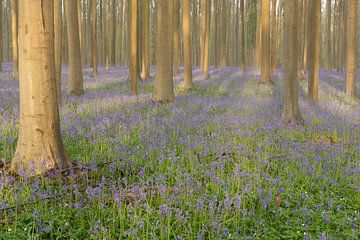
x: 39, y: 146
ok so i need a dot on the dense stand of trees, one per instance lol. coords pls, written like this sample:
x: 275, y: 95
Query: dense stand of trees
x: 301, y: 36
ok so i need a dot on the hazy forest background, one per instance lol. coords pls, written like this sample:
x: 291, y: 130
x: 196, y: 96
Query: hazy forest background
x: 179, y: 119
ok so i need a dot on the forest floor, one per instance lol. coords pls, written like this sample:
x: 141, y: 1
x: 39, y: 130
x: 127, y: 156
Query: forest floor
x: 217, y: 164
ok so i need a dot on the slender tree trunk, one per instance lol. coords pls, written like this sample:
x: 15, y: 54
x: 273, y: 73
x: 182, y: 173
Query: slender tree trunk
x: 1, y: 35
x: 328, y: 35
x: 80, y: 28
x: 134, y: 42
x: 202, y: 25
x: 188, y: 83
x: 14, y: 26
x: 206, y: 40
x: 265, y: 42
x: 145, y: 60
x: 273, y: 36
x: 314, y: 50
x: 306, y: 34
x: 176, y: 36
x: 58, y: 45
x: 113, y: 34
x: 164, y: 90
x: 242, y: 36
x: 93, y: 37
x: 39, y: 146
x: 290, y: 110
x: 351, y: 48
x: 223, y: 34
x: 258, y: 34
x: 105, y: 34
x: 75, y: 67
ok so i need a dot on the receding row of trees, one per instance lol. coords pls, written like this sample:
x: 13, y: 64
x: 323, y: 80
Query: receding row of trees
x: 249, y: 33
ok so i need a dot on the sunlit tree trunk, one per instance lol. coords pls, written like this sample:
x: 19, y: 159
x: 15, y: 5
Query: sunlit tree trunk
x: 265, y: 42
x: 202, y: 24
x: 207, y: 37
x: 188, y: 83
x: 164, y: 90
x: 58, y: 45
x: 145, y: 60
x: 14, y: 30
x: 306, y: 35
x: 75, y: 68
x: 314, y: 50
x: 39, y: 147
x: 351, y: 48
x: 273, y: 36
x: 133, y: 46
x: 290, y: 110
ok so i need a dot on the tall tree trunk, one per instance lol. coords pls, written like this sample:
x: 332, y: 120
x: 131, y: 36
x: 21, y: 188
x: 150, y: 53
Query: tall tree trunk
x: 290, y: 110
x: 93, y: 37
x: 206, y: 40
x: 58, y: 45
x: 39, y: 146
x: 80, y: 28
x: 176, y: 35
x: 258, y: 34
x: 188, y: 83
x: 328, y: 35
x: 134, y: 42
x: 1, y: 35
x: 306, y: 35
x: 14, y: 30
x: 105, y: 34
x: 265, y: 42
x: 351, y: 48
x: 113, y: 34
x: 242, y: 36
x: 75, y: 68
x: 223, y: 34
x: 314, y: 50
x: 273, y: 36
x: 164, y: 90
x: 145, y: 60
x: 202, y: 25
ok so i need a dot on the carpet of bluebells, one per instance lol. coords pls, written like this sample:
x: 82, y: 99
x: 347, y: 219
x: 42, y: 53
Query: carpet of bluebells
x: 217, y: 164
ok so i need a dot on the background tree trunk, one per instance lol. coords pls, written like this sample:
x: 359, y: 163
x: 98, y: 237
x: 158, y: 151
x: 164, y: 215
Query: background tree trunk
x: 93, y: 41
x: 164, y: 90
x: 75, y: 67
x: 39, y: 146
x: 134, y: 42
x: 328, y: 35
x: 14, y: 30
x: 188, y: 83
x: 176, y: 35
x: 58, y: 46
x: 265, y: 42
x: 273, y: 36
x: 242, y: 35
x: 145, y: 60
x: 223, y: 34
x: 351, y: 48
x: 314, y: 50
